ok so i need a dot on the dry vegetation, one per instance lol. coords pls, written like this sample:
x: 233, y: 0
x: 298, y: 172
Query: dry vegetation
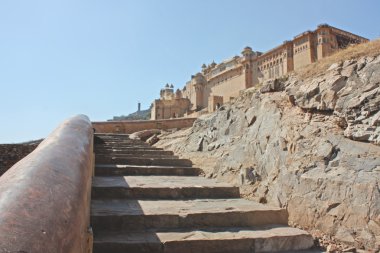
x: 371, y: 48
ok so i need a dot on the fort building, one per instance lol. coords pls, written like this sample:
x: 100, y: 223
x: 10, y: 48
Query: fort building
x: 170, y: 104
x: 216, y: 84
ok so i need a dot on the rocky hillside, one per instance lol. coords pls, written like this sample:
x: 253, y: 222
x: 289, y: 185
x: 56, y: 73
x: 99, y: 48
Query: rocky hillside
x: 309, y: 143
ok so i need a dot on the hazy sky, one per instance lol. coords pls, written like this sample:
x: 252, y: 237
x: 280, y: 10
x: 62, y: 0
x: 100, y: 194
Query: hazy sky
x: 100, y: 57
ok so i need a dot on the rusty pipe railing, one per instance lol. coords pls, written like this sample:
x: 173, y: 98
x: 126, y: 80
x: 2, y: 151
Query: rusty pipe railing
x: 45, y: 197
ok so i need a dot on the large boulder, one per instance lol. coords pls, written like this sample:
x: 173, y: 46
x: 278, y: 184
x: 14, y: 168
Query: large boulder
x: 144, y: 134
x: 272, y: 85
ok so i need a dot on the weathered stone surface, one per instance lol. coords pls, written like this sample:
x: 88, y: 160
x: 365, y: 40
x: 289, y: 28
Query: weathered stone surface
x: 139, y: 160
x: 153, y: 139
x: 133, y: 215
x: 163, y: 187
x: 144, y: 135
x: 44, y: 198
x: 161, y: 209
x: 113, y: 169
x: 272, y: 85
x: 311, y: 149
x: 260, y: 239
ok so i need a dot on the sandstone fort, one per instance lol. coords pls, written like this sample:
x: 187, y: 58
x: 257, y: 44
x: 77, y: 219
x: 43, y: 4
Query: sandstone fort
x: 219, y: 83
x: 263, y: 152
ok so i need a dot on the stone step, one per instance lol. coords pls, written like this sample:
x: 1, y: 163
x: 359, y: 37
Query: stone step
x: 160, y: 187
x: 105, y: 138
x: 131, y: 145
x: 119, y: 135
x: 124, y: 145
x: 118, y: 149
x: 120, y: 141
x: 101, y: 140
x: 117, y: 142
x: 113, y: 170
x: 115, y: 139
x: 142, y: 155
x: 144, y: 161
x: 136, y: 152
x: 212, y: 240
x: 139, y: 215
x: 110, y: 139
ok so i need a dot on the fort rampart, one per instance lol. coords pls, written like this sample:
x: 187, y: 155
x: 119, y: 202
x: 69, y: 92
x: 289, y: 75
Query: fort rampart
x: 128, y: 127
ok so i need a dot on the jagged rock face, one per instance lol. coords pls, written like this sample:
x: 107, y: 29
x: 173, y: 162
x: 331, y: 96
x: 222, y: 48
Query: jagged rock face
x: 308, y: 145
x: 349, y: 90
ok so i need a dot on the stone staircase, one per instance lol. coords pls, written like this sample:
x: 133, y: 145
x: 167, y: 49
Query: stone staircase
x: 146, y: 200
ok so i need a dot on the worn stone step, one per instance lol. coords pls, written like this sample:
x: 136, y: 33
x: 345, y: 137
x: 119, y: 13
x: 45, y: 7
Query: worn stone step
x: 161, y: 187
x: 126, y: 145
x: 98, y: 149
x: 138, y: 215
x: 212, y: 240
x: 121, y: 146
x: 98, y: 140
x: 117, y: 149
x: 119, y: 135
x: 117, y: 139
x: 144, y: 161
x: 141, y: 155
x: 132, y: 151
x: 114, y: 169
x: 102, y: 140
x: 114, y: 137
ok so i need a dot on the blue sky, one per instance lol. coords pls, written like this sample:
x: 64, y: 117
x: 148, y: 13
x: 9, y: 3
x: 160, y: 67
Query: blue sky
x: 59, y: 58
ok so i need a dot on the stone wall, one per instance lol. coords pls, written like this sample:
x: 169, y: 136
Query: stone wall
x: 128, y: 127
x: 12, y: 153
x: 229, y: 88
x: 303, y: 51
x: 166, y: 109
